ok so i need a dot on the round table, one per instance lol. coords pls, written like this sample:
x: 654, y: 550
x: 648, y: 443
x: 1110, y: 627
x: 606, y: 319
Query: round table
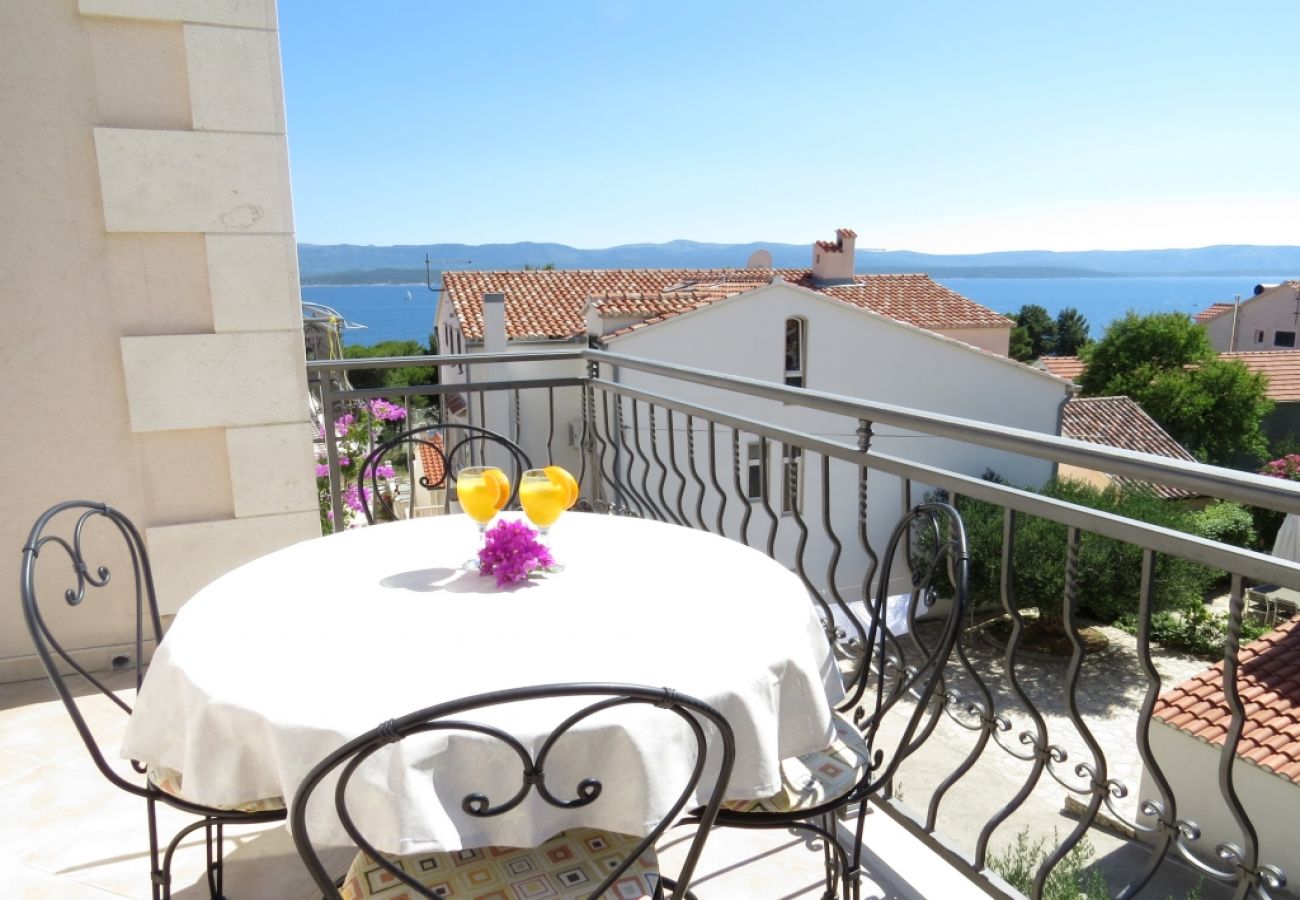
x: 280, y: 661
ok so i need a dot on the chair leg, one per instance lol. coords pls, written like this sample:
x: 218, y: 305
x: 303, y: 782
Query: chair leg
x: 159, y: 878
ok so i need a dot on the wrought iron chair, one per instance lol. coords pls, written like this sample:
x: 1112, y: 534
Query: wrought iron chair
x: 445, y: 449
x: 579, y: 863
x: 820, y: 786
x: 56, y: 547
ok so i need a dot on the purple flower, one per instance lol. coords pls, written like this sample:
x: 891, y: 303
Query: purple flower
x: 511, y: 551
x: 384, y: 470
x: 386, y: 412
x: 322, y: 470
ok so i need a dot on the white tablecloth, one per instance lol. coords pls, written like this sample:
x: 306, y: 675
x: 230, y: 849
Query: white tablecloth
x: 277, y: 663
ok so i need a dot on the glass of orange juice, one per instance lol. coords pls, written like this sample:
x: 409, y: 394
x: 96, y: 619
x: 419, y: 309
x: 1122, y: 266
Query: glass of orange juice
x: 482, y: 492
x: 545, y: 494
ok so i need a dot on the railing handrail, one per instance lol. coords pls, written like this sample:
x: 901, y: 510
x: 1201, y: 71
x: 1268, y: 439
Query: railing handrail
x: 1213, y: 481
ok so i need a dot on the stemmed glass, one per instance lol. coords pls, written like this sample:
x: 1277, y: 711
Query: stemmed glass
x: 482, y: 492
x: 544, y: 495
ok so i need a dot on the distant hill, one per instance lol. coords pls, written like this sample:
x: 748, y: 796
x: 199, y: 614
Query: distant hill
x: 403, y: 264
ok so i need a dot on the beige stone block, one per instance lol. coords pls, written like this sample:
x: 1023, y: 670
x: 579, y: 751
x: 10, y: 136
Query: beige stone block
x: 239, y: 13
x: 254, y: 282
x: 234, y: 79
x: 140, y: 78
x: 215, y: 380
x: 187, y: 557
x: 272, y: 469
x: 157, y: 283
x: 193, y: 181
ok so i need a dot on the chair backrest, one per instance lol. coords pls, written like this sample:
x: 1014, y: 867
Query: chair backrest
x: 908, y: 669
x: 72, y: 576
x: 452, y: 717
x: 446, y: 448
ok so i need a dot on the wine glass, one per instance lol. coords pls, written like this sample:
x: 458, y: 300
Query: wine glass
x: 482, y: 492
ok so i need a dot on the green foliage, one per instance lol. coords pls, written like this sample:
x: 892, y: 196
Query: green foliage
x: 1039, y: 326
x: 1069, y: 880
x: 1194, y: 629
x: 1228, y: 523
x: 1109, y: 570
x: 1165, y: 363
x: 392, y: 378
x: 1071, y: 332
x: 1021, y: 347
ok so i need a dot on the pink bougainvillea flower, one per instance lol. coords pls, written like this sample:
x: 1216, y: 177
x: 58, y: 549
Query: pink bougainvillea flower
x: 511, y: 551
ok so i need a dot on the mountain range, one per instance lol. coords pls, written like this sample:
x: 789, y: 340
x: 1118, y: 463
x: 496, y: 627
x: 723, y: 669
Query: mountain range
x: 404, y: 264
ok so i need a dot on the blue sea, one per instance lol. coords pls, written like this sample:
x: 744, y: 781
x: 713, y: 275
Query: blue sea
x: 405, y: 311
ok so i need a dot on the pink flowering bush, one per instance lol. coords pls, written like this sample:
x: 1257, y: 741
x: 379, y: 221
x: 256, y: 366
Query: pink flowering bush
x: 511, y: 551
x: 1287, y: 467
x: 357, y: 433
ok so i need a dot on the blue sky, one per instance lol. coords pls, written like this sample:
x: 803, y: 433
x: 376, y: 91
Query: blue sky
x: 932, y: 126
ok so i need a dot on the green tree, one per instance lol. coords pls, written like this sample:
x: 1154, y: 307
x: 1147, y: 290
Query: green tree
x: 1040, y: 327
x: 1071, y: 332
x: 1165, y: 363
x: 392, y: 378
x: 1022, y: 347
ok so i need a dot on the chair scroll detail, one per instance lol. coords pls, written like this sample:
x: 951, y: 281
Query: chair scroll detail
x: 56, y: 548
x: 448, y: 449
x: 375, y: 872
x: 894, y: 696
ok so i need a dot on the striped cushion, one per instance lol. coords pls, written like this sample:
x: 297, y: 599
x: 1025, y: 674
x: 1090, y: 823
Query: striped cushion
x: 169, y: 782
x: 816, y: 777
x: 566, y: 867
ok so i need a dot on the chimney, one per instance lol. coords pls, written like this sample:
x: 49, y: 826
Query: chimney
x: 494, y: 323
x: 833, y: 262
x: 592, y: 310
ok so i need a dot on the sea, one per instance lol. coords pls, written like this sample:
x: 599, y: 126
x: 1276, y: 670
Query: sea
x: 402, y: 312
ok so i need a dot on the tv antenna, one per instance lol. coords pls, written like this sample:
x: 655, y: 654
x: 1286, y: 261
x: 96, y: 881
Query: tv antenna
x: 428, y: 269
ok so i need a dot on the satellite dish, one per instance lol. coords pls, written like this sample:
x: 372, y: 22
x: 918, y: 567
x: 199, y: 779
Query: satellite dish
x: 759, y: 259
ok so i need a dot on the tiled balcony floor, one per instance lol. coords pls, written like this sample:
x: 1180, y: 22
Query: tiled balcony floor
x: 67, y: 833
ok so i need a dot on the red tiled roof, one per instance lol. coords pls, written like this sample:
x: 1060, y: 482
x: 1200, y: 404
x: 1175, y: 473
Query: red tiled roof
x: 550, y: 303
x: 1067, y: 367
x: 1268, y: 682
x: 1281, y: 366
x: 1211, y: 311
x: 1120, y: 422
x: 431, y: 460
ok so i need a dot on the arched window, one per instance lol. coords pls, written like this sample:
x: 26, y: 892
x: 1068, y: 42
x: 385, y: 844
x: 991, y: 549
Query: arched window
x: 796, y: 347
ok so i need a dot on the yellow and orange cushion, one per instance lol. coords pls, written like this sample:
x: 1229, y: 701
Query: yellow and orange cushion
x: 566, y: 867
x: 814, y: 778
x: 169, y: 782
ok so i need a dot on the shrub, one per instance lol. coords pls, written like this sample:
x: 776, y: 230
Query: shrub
x: 1195, y: 629
x: 1227, y: 523
x: 1068, y: 880
x: 1109, y: 570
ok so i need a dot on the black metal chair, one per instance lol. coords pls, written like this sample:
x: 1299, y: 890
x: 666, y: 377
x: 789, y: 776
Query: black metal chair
x: 448, y: 448
x: 578, y: 863
x: 56, y: 547
x: 819, y: 786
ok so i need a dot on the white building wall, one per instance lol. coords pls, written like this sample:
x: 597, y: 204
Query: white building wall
x: 858, y: 355
x: 1259, y: 319
x: 994, y: 340
x: 1191, y: 767
x: 147, y: 235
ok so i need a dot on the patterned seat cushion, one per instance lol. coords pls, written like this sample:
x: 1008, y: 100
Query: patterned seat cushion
x: 816, y: 777
x: 169, y: 782
x: 566, y: 867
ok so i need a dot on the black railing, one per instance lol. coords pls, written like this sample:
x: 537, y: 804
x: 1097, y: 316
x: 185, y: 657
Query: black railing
x: 815, y: 481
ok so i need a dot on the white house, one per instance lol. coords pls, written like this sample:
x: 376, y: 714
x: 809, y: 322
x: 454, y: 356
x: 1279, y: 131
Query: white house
x: 1267, y: 321
x: 1188, y: 729
x: 898, y: 339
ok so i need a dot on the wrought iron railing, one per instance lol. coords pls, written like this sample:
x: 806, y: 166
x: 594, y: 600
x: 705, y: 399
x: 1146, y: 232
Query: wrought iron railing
x: 700, y: 449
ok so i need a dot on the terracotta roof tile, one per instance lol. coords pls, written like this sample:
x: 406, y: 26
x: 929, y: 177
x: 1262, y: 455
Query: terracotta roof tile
x: 431, y: 459
x: 1212, y: 311
x: 1120, y: 422
x: 551, y: 303
x: 1266, y: 674
x: 1067, y: 367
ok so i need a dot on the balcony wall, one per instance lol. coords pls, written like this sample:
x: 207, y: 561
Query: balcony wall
x: 148, y: 224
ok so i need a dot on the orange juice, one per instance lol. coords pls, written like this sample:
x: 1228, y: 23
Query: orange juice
x: 478, y: 494
x: 543, y: 500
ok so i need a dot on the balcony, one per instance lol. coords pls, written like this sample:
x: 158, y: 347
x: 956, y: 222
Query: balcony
x: 1058, y: 749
